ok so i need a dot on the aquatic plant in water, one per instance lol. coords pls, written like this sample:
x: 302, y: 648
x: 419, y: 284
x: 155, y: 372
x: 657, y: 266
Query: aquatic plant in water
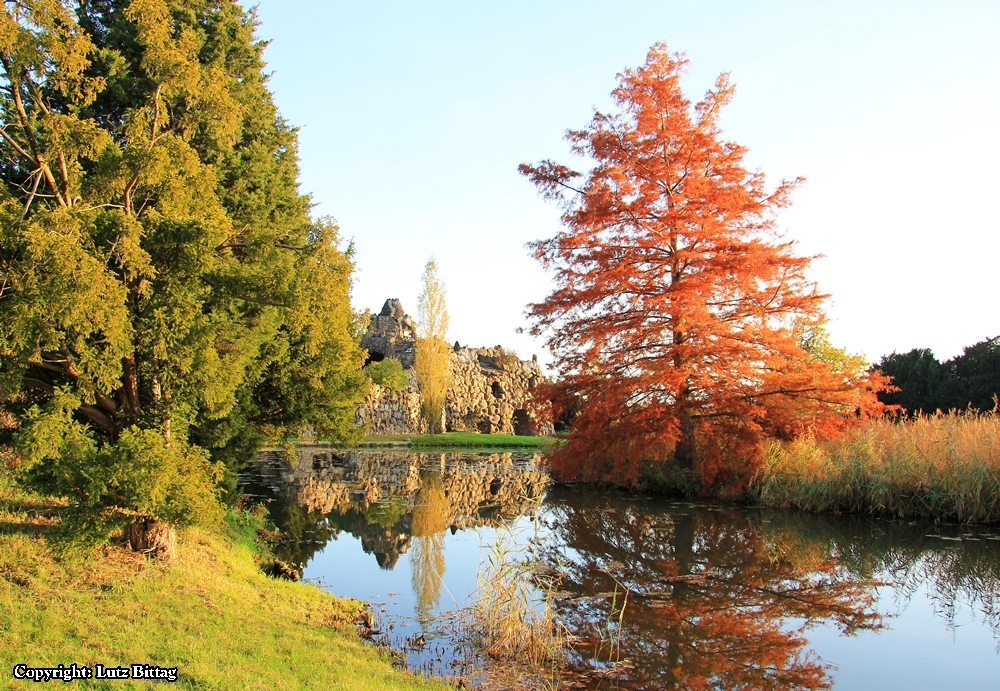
x: 510, y: 634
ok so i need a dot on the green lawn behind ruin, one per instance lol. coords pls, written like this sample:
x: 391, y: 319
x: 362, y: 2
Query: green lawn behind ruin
x: 467, y: 440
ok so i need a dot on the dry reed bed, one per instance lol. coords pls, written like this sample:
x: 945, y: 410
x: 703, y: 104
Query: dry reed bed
x: 512, y: 626
x: 942, y: 467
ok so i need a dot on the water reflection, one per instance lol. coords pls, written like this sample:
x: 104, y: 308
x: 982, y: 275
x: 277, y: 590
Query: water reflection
x: 958, y: 566
x: 430, y: 519
x: 711, y: 603
x: 390, y: 500
x: 717, y: 597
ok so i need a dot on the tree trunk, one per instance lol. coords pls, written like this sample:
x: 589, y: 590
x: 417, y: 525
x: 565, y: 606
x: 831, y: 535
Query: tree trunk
x: 439, y: 426
x: 683, y: 553
x: 684, y: 451
x: 151, y: 537
x: 129, y: 394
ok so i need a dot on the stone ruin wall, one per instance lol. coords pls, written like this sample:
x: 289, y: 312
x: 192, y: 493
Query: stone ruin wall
x: 489, y: 392
x: 391, y: 412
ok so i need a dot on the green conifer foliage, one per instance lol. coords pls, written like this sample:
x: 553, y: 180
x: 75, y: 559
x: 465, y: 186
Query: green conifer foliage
x: 160, y: 270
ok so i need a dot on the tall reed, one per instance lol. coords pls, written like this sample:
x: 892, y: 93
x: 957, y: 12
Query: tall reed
x: 942, y: 467
x: 512, y: 622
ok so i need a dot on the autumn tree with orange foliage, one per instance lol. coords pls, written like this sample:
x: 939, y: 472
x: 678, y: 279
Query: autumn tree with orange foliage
x: 676, y: 317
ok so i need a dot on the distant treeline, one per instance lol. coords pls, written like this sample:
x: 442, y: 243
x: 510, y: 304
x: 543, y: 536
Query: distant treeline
x: 970, y: 380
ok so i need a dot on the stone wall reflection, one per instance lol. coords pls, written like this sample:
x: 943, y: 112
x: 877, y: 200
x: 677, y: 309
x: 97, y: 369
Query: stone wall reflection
x: 387, y: 499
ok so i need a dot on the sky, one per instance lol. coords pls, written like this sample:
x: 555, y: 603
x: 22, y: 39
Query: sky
x: 414, y: 117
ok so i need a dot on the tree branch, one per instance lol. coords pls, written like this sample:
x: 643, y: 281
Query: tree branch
x: 31, y: 197
x: 10, y: 140
x: 90, y: 412
x: 29, y: 132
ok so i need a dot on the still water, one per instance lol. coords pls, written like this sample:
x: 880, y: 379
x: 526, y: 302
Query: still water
x: 719, y: 597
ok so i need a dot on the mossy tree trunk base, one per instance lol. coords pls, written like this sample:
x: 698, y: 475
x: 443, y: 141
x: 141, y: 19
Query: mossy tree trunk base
x: 151, y: 537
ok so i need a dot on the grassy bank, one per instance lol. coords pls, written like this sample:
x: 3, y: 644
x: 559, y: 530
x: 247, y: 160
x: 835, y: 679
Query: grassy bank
x: 211, y: 613
x: 943, y: 467
x: 468, y: 440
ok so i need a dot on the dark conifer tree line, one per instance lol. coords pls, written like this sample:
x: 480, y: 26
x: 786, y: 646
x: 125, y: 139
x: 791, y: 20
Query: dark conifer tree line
x: 968, y: 381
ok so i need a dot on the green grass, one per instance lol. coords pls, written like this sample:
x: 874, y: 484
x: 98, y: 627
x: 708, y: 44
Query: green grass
x: 211, y: 613
x: 942, y: 467
x: 461, y: 440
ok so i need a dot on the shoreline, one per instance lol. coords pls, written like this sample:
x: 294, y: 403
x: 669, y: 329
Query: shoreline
x: 211, y: 614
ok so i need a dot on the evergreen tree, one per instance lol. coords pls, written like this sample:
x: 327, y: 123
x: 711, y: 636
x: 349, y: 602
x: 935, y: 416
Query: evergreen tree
x: 921, y: 381
x: 977, y: 375
x: 160, y: 268
x: 924, y: 385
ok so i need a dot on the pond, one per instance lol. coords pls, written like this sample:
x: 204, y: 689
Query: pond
x: 657, y: 594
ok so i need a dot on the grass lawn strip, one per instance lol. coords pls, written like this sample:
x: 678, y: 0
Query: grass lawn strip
x: 211, y: 613
x: 460, y: 440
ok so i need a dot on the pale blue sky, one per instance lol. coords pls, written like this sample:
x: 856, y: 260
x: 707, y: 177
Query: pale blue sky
x: 415, y: 116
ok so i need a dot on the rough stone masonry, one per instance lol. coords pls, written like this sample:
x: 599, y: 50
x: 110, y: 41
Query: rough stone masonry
x: 489, y: 392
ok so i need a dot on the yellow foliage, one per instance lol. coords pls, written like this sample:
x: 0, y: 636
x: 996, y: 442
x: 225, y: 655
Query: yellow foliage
x: 427, y: 525
x: 433, y: 355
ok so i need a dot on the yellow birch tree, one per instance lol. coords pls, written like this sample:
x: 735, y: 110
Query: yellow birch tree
x: 432, y: 351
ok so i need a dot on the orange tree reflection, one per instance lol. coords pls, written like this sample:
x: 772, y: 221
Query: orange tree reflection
x: 712, y: 603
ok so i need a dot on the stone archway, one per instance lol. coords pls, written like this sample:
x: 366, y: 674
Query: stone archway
x: 522, y: 423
